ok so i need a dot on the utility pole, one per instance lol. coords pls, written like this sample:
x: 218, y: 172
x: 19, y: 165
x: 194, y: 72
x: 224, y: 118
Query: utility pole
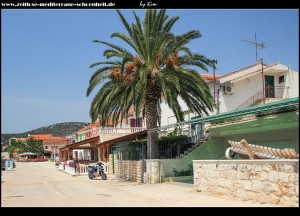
x: 214, y: 72
x: 261, y: 45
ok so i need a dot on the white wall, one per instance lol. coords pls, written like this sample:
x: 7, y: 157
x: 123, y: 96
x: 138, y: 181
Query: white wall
x: 244, y: 71
x: 242, y: 91
x: 294, y: 84
x: 167, y: 115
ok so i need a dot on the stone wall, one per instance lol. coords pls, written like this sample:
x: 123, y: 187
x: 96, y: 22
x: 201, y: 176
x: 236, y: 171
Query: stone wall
x: 126, y: 169
x: 263, y: 181
x: 130, y: 170
x: 153, y: 171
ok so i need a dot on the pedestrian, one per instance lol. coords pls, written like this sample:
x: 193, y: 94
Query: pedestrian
x: 75, y: 166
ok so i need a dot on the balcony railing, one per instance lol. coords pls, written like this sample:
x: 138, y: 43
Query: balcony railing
x: 121, y: 130
x: 270, y: 92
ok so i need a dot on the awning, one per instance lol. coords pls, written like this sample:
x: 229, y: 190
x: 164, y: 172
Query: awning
x: 26, y: 154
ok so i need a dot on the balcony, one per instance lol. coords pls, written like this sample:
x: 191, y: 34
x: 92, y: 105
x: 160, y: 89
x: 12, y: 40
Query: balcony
x: 113, y: 133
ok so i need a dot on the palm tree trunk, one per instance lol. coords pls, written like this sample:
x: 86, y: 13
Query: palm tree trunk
x: 151, y: 122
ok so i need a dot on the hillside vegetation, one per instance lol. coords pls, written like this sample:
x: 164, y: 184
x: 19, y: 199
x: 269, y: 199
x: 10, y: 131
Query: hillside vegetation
x: 59, y: 129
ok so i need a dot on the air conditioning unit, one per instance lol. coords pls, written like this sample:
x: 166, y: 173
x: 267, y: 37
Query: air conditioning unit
x: 227, y: 89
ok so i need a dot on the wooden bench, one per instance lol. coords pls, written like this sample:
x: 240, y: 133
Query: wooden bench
x: 250, y: 151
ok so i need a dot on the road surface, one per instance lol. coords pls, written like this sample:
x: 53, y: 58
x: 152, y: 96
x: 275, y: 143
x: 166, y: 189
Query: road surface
x: 41, y: 184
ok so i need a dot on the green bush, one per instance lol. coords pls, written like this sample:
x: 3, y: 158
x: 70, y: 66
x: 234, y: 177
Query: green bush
x: 188, y: 172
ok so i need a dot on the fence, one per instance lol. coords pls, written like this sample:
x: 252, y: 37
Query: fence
x: 61, y: 166
x: 173, y: 142
x: 121, y: 130
x: 82, y: 169
x: 70, y: 170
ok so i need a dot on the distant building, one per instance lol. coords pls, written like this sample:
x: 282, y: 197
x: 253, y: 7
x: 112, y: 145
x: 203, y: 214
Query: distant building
x: 51, y: 143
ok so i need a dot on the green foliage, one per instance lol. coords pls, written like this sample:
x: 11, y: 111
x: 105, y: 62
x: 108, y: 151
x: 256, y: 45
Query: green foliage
x: 164, y: 140
x: 15, y: 144
x: 187, y: 172
x: 35, y: 146
x: 30, y: 145
x: 172, y: 139
x: 173, y: 133
x: 161, y: 66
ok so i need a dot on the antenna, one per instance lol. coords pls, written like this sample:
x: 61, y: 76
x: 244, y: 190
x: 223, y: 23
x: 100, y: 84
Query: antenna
x: 261, y: 45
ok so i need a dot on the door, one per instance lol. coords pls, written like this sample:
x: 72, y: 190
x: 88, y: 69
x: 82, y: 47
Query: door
x: 136, y: 122
x: 269, y: 86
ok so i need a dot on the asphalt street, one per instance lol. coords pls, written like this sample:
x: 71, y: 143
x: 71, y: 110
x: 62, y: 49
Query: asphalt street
x: 41, y: 184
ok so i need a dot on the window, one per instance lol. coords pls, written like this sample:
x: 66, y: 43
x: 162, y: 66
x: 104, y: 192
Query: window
x: 46, y: 147
x: 136, y: 122
x: 281, y: 79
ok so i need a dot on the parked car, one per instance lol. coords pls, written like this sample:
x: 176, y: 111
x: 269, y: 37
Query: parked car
x: 3, y: 163
x: 40, y: 159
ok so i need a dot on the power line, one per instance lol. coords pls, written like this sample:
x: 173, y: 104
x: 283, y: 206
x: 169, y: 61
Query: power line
x: 226, y: 58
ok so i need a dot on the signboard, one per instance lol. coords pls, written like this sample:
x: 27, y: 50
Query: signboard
x: 88, y: 135
x: 95, y: 131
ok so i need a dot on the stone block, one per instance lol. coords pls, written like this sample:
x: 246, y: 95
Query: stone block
x: 269, y: 187
x: 264, y: 175
x: 222, y: 191
x: 247, y: 184
x: 277, y: 168
x: 232, y: 174
x: 287, y: 201
x: 257, y: 168
x: 266, y: 167
x: 273, y: 176
x: 237, y: 184
x: 242, y: 194
x: 283, y: 176
x: 273, y: 199
x: 233, y: 166
x: 261, y: 198
x: 257, y: 186
x: 225, y: 183
x: 284, y: 189
x: 211, y: 166
x: 245, y: 175
x: 288, y: 168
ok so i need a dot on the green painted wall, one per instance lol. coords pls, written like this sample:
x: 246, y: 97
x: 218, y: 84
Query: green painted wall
x: 279, y: 131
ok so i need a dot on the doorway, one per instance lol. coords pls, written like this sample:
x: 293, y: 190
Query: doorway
x: 269, y: 87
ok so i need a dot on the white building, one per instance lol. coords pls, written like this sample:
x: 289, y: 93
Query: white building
x: 248, y: 86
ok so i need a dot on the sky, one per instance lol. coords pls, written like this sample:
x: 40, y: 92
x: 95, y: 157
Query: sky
x: 46, y: 54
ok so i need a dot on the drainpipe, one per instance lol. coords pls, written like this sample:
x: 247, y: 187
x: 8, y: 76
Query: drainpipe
x: 218, y: 98
x: 214, y: 74
x: 263, y: 80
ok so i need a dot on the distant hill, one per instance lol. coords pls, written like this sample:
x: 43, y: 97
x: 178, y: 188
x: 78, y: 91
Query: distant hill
x: 59, y: 129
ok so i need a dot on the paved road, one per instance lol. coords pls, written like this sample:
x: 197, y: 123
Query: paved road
x: 42, y: 185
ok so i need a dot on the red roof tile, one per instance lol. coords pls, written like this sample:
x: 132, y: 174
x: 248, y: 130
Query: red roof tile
x: 97, y: 123
x: 56, y: 141
x: 208, y: 76
x: 41, y: 136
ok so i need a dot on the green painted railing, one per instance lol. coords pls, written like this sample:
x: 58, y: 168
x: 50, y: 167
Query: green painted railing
x: 286, y: 104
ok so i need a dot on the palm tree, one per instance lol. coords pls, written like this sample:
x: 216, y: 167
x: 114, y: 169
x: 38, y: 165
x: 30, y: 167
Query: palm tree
x: 162, y: 67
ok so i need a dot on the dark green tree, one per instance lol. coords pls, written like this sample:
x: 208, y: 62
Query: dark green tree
x: 15, y: 145
x: 35, y: 146
x: 161, y: 67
